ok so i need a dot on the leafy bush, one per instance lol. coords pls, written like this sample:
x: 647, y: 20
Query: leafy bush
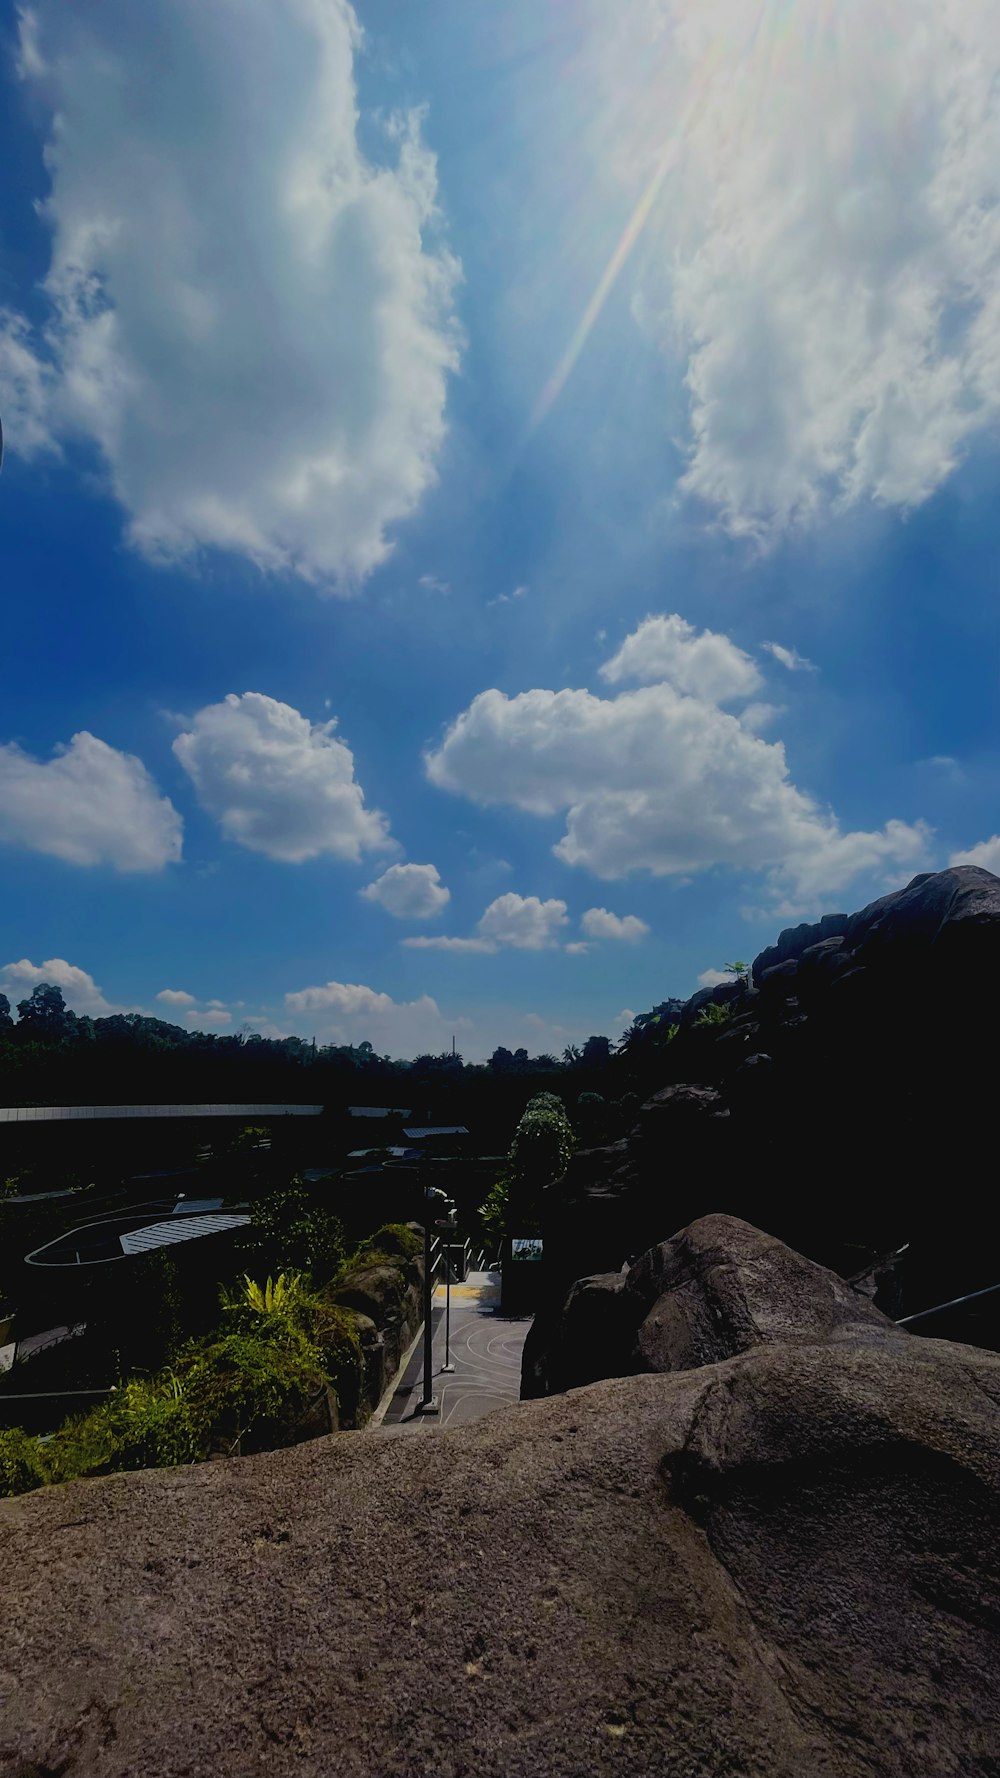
x: 493, y: 1213
x: 389, y: 1244
x: 21, y: 1464
x: 711, y: 1014
x: 290, y: 1232
x: 335, y: 1331
x: 280, y: 1345
x: 539, y: 1153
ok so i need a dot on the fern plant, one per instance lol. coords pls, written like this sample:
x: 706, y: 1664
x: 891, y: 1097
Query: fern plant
x: 284, y: 1296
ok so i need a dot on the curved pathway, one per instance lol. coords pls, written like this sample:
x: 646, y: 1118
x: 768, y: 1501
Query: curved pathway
x: 486, y: 1354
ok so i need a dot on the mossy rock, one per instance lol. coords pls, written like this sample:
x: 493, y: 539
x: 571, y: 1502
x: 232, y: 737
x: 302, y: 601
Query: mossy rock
x: 375, y: 1290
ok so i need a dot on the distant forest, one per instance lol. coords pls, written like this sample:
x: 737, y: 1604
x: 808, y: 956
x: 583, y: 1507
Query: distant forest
x: 52, y: 1056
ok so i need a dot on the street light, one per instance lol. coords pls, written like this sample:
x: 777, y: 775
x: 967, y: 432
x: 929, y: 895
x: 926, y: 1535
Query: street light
x: 449, y: 1224
x: 429, y: 1403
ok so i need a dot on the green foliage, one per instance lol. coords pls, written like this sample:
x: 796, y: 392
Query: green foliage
x: 21, y: 1467
x: 282, y: 1296
x: 493, y: 1213
x: 244, y: 1378
x: 389, y: 1244
x: 712, y: 1014
x: 251, y: 1382
x: 740, y: 970
x: 290, y: 1232
x: 248, y: 1138
x: 335, y: 1333
x: 539, y: 1153
x: 649, y: 1031
x: 543, y: 1143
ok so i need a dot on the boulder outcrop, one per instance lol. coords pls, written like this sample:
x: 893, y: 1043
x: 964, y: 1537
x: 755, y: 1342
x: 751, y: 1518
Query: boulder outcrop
x: 783, y: 1561
x: 717, y: 1288
x: 843, y: 1101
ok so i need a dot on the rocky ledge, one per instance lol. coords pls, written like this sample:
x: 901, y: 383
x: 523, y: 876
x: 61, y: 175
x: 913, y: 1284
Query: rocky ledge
x: 775, y: 1553
x: 842, y: 1097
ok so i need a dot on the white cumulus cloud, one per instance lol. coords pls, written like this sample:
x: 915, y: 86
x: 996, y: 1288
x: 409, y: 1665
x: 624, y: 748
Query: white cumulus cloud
x: 656, y: 781
x: 986, y: 854
x: 823, y: 251
x: 208, y: 1018
x: 249, y: 316
x: 176, y: 997
x: 409, y: 891
x: 523, y: 921
x: 671, y: 650
x: 714, y: 978
x: 350, y: 1012
x: 88, y: 805
x: 80, y: 991
x: 599, y: 923
x: 276, y: 782
x: 790, y: 658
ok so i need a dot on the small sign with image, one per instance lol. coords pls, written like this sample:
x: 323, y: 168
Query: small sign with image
x: 525, y: 1249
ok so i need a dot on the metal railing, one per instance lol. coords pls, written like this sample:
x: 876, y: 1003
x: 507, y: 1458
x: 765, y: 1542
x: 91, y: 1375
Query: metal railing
x: 955, y: 1303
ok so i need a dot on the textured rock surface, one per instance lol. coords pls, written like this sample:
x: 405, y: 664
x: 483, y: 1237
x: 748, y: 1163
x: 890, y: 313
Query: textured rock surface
x: 782, y: 1564
x: 717, y: 1288
x: 720, y: 1287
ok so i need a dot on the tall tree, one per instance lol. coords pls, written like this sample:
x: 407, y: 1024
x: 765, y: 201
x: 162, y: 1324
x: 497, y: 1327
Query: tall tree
x: 45, y: 1013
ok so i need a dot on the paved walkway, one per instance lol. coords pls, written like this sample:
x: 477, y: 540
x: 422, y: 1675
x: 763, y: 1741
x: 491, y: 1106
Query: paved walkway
x: 486, y: 1353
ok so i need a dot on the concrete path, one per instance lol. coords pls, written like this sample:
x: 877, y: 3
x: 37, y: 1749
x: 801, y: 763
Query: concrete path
x: 486, y: 1353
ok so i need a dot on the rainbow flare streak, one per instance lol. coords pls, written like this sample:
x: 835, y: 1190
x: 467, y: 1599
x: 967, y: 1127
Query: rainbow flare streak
x: 606, y: 283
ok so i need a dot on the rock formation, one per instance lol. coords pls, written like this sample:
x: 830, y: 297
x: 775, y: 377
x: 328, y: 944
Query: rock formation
x: 780, y: 1562
x: 845, y: 1102
x: 716, y: 1289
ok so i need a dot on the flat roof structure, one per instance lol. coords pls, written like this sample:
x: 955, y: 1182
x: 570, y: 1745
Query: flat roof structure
x: 435, y: 1130
x: 378, y: 1111
x: 167, y: 1234
x: 54, y: 1114
x: 103, y: 1242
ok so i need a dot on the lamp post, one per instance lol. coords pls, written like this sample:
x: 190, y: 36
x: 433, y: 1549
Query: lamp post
x: 450, y: 1225
x: 428, y: 1403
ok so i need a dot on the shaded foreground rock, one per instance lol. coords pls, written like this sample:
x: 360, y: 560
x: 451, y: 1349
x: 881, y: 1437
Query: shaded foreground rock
x: 785, y: 1563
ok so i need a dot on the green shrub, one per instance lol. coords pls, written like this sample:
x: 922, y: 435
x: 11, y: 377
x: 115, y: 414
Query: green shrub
x: 281, y: 1344
x: 712, y: 1014
x: 144, y: 1425
x: 22, y: 1465
x: 540, y: 1152
x: 243, y: 1380
x: 290, y: 1232
x: 335, y: 1330
x: 390, y: 1244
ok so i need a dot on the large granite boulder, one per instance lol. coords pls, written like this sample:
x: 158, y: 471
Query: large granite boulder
x: 717, y: 1288
x: 780, y: 1564
x: 934, y: 909
x: 594, y: 1336
x: 721, y: 1286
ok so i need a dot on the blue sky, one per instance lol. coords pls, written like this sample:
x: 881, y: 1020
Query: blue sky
x: 419, y: 423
